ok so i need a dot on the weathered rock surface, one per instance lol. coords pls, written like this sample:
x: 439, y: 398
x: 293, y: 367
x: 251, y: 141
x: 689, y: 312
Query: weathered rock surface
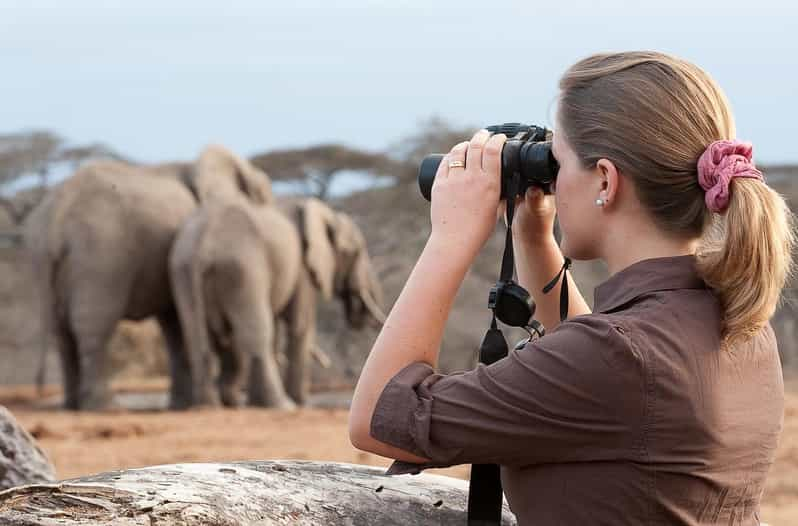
x: 21, y: 460
x: 252, y: 493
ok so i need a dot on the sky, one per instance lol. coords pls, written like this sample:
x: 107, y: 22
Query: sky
x: 157, y: 80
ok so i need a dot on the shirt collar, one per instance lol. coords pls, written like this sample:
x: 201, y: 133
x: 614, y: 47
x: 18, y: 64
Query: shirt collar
x: 648, y: 275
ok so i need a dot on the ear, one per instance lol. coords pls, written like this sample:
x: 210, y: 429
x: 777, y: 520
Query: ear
x: 220, y: 173
x: 610, y: 179
x: 320, y: 256
x: 254, y: 183
x: 347, y: 238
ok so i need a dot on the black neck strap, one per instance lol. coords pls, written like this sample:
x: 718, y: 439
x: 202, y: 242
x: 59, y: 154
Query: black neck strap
x: 564, y: 290
x: 506, y: 273
x: 485, y: 488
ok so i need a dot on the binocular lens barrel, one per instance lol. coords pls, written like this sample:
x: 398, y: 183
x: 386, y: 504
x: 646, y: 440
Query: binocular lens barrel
x: 533, y: 160
x: 426, y: 174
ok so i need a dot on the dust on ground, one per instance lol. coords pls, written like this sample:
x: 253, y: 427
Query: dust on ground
x: 84, y: 443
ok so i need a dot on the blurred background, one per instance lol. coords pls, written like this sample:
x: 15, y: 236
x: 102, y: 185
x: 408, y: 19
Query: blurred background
x: 337, y: 100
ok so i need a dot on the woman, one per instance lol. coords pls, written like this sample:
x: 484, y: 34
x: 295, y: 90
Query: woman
x: 662, y: 406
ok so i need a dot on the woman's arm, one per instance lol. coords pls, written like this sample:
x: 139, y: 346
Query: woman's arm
x: 536, y: 263
x: 412, y: 333
x: 465, y: 196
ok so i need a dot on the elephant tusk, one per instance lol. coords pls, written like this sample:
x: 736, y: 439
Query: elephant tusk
x: 321, y: 357
x: 373, y: 308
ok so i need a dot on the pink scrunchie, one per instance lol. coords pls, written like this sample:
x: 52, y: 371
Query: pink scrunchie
x: 719, y: 164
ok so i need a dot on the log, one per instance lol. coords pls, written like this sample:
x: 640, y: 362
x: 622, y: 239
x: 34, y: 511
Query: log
x: 21, y: 459
x: 270, y: 492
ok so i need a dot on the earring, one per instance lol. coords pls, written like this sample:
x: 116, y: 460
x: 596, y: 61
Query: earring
x: 599, y: 202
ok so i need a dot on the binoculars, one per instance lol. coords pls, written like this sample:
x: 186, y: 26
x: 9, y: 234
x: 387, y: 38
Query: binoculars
x: 527, y: 152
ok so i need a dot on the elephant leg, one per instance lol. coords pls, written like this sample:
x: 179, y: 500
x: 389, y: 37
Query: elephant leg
x: 234, y: 367
x: 94, y: 390
x: 279, y: 347
x: 265, y: 381
x: 232, y: 355
x: 301, y: 337
x: 246, y: 324
x: 181, y: 393
x: 195, y: 362
x: 92, y: 321
x: 299, y: 349
x: 253, y: 339
x: 70, y: 367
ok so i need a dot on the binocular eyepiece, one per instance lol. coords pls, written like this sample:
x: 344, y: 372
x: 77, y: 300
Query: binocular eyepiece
x: 526, y: 152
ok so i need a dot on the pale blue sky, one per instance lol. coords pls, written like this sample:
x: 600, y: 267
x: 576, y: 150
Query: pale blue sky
x: 157, y: 80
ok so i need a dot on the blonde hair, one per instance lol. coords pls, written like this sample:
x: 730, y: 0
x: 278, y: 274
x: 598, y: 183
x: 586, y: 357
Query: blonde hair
x: 653, y: 115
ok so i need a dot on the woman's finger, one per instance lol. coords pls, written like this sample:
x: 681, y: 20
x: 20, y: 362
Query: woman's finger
x: 492, y: 156
x: 457, y: 158
x: 475, y: 148
x: 443, y: 170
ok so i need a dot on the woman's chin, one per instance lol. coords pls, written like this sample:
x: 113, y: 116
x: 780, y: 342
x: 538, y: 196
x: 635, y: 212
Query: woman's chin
x: 575, y: 251
x: 565, y: 247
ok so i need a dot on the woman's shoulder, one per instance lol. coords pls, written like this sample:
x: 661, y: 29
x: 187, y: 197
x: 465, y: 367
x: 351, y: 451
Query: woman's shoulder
x: 668, y: 318
x: 583, y: 339
x: 591, y: 326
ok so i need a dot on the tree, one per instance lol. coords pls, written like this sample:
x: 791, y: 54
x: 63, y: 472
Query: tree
x: 36, y: 152
x: 27, y: 152
x: 318, y: 165
x: 434, y: 135
x: 97, y: 150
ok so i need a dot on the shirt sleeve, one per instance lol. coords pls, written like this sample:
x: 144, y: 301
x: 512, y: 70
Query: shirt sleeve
x: 577, y: 394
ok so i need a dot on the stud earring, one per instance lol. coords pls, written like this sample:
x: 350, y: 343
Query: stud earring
x: 599, y: 202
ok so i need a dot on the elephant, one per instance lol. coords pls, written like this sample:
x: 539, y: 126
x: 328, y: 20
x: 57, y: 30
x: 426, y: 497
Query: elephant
x: 239, y: 269
x: 100, y: 245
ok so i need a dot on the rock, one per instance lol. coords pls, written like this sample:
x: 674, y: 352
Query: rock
x: 21, y: 460
x: 242, y: 493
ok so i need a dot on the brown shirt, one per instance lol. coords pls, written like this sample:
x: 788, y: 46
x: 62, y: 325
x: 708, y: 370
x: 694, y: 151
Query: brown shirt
x: 629, y: 415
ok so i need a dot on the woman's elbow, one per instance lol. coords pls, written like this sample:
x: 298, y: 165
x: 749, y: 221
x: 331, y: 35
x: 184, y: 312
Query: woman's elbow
x: 358, y: 431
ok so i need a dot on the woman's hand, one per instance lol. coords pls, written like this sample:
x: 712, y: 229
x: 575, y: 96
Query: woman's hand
x: 533, y: 215
x: 465, y: 194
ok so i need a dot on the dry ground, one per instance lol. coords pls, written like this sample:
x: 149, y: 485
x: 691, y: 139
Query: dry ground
x: 84, y: 443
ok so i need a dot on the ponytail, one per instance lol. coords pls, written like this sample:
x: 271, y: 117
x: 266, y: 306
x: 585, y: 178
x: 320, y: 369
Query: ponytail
x: 746, y: 257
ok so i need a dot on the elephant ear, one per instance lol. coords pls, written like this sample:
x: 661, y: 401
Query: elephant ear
x: 318, y: 227
x: 253, y: 182
x: 221, y: 174
x: 347, y: 238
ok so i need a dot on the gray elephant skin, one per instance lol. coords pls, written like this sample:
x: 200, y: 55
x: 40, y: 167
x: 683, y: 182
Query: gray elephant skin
x: 238, y: 269
x: 100, y: 246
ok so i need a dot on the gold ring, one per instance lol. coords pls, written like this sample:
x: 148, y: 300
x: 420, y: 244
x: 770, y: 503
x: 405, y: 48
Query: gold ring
x: 457, y: 164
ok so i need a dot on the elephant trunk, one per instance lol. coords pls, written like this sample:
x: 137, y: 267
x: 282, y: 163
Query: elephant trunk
x: 374, y: 308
